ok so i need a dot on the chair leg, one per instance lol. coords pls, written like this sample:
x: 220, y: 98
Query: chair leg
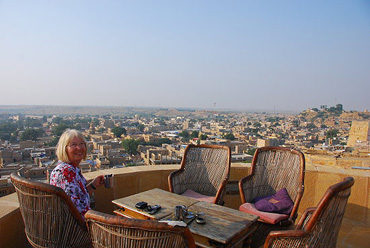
x: 247, y: 242
x: 263, y: 230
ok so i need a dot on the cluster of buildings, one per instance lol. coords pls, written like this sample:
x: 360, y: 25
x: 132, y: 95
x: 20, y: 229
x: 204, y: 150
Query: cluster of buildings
x: 347, y: 134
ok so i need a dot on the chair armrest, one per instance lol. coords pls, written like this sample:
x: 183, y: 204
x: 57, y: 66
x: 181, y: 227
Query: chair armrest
x: 175, y: 181
x: 290, y: 238
x: 306, y: 216
x: 221, y: 193
x: 246, y: 188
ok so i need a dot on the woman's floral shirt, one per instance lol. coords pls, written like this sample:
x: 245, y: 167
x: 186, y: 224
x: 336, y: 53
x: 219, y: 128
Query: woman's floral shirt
x: 70, y: 179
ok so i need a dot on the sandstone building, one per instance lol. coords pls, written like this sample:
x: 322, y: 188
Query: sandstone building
x: 359, y: 134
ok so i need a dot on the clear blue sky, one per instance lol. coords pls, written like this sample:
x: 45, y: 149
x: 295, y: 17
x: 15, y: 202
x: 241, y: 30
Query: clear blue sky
x: 282, y: 55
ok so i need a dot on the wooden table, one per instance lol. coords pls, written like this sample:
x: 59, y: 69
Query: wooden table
x: 225, y: 227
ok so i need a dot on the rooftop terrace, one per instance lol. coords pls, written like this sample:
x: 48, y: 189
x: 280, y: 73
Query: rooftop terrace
x: 354, y: 232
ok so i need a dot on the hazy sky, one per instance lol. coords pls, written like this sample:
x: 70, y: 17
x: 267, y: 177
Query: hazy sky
x: 282, y: 55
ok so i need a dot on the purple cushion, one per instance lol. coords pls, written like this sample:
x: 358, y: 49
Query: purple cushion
x: 271, y: 218
x: 279, y: 202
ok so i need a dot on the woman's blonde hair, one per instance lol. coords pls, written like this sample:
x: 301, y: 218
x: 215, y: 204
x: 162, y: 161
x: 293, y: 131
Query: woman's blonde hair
x: 64, y: 141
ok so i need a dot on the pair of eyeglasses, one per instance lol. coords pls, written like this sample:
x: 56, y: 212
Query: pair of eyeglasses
x: 74, y: 145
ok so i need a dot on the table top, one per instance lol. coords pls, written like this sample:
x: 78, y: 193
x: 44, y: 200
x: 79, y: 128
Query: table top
x: 166, y: 199
x: 223, y: 225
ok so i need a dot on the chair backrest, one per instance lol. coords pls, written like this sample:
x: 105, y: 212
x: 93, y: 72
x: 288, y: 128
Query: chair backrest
x: 204, y: 169
x: 50, y: 217
x: 318, y: 227
x: 114, y: 231
x: 274, y: 168
x: 325, y: 221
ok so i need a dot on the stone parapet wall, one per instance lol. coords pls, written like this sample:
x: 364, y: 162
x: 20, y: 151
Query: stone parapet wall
x: 337, y: 161
x: 319, y: 178
x: 11, y: 224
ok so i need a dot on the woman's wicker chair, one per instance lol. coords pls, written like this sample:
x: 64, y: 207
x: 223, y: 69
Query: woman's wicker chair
x: 50, y: 217
x: 114, y: 231
x: 274, y: 168
x: 319, y: 226
x: 204, y: 171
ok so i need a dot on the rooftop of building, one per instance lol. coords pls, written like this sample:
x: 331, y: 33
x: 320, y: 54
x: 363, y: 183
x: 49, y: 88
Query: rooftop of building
x: 354, y: 231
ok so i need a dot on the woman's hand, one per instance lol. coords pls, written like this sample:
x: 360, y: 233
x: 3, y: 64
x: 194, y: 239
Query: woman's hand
x: 97, y: 182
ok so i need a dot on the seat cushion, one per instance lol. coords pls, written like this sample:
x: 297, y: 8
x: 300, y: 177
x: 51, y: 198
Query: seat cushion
x: 192, y: 194
x: 271, y: 218
x: 279, y: 203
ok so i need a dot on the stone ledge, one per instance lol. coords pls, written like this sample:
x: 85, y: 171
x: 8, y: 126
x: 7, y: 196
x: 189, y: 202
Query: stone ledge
x: 8, y: 204
x: 338, y: 170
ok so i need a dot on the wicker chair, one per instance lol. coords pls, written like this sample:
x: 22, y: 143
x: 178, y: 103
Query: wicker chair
x: 114, y: 231
x: 319, y: 226
x: 274, y: 168
x: 50, y: 217
x: 205, y: 170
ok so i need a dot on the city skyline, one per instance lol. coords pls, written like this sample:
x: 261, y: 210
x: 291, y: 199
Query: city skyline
x: 239, y: 55
x: 73, y: 110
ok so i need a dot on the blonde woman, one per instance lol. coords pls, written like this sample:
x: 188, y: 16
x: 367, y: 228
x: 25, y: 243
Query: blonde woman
x: 71, y: 150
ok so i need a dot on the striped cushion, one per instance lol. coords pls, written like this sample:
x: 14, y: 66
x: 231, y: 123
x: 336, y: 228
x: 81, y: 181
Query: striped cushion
x: 192, y: 194
x: 270, y: 218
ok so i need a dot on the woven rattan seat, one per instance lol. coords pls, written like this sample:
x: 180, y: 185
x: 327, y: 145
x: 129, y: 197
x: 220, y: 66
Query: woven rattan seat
x: 274, y: 168
x: 204, y: 169
x: 319, y: 226
x: 114, y: 231
x: 50, y: 217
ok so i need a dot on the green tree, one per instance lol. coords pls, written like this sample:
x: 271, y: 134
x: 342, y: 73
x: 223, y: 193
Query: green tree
x: 96, y: 122
x: 141, y: 127
x: 158, y: 142
x: 57, y: 120
x: 310, y: 125
x: 7, y: 130
x: 332, y: 133
x: 194, y: 134
x: 130, y: 164
x: 82, y: 120
x: 54, y: 142
x: 29, y: 122
x: 251, y: 151
x: 58, y: 130
x: 229, y: 136
x: 203, y: 137
x: 118, y: 131
x: 130, y: 146
x: 185, y: 134
x: 339, y: 107
x: 31, y: 134
x: 337, y: 110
